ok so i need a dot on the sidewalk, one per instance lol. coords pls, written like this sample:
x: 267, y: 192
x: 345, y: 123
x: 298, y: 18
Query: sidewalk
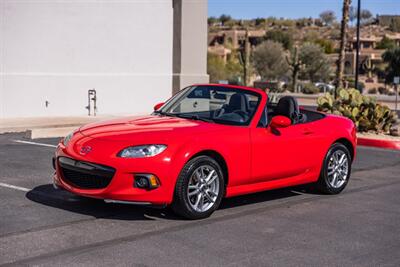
x: 47, y: 126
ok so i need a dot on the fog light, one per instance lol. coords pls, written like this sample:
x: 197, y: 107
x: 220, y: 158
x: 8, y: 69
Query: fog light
x: 146, y: 181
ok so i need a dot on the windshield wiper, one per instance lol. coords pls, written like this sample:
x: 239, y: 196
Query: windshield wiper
x: 194, y: 117
x: 163, y: 113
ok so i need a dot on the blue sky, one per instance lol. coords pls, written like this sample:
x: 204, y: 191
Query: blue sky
x: 246, y: 9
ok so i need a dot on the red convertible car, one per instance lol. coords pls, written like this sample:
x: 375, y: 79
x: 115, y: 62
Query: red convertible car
x: 205, y: 143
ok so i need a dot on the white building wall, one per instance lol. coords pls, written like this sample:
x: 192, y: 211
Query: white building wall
x: 55, y: 50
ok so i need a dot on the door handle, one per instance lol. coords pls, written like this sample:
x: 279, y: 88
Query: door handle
x: 307, y: 132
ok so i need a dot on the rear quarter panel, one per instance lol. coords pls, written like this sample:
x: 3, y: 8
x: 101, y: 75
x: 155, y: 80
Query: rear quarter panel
x: 329, y: 130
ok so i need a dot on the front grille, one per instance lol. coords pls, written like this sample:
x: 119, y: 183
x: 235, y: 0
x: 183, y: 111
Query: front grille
x: 85, y: 175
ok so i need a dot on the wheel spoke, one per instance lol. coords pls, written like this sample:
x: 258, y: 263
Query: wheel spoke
x: 209, y: 182
x: 342, y: 176
x: 208, y: 197
x: 198, y: 175
x: 345, y: 162
x: 196, y: 204
x: 201, y: 202
x: 194, y: 192
x: 341, y: 160
x: 202, y: 172
x: 210, y: 174
x: 212, y: 193
x: 334, y: 180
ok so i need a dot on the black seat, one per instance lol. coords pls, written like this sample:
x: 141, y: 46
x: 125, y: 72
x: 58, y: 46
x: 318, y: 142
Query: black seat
x: 288, y: 107
x: 237, y: 102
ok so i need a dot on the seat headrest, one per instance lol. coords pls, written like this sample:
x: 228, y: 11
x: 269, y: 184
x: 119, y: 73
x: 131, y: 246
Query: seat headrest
x: 238, y: 102
x: 288, y: 107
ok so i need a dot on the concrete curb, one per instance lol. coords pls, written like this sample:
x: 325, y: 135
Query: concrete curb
x: 49, y: 132
x: 380, y: 143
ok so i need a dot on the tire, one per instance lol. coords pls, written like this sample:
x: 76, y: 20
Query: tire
x: 336, y: 170
x: 199, y: 188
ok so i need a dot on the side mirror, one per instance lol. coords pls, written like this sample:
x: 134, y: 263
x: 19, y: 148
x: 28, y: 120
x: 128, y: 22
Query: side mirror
x: 158, y: 106
x: 280, y: 122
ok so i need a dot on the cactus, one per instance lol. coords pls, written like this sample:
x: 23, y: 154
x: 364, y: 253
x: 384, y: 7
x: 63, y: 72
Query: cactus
x: 363, y: 110
x: 368, y: 67
x: 244, y: 59
x: 295, y: 66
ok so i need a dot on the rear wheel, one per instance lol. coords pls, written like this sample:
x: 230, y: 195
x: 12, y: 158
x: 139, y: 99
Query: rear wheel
x: 199, y: 188
x: 336, y: 169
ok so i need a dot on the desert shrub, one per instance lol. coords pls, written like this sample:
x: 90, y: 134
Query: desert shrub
x: 310, y: 89
x: 383, y: 90
x: 363, y: 110
x: 352, y: 84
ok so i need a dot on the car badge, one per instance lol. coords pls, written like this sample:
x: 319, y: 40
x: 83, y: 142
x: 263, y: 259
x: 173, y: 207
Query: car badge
x: 85, y: 150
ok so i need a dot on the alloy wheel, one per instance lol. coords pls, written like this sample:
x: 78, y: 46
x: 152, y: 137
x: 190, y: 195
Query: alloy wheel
x: 338, y: 169
x: 203, y: 188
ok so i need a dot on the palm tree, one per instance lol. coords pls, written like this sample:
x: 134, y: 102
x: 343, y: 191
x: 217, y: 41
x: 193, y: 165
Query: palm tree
x: 343, y: 39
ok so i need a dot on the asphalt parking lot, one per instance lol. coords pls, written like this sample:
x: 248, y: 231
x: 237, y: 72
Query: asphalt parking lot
x: 42, y: 226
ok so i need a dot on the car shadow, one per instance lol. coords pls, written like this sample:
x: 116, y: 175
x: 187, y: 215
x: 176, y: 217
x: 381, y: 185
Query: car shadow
x: 61, y: 199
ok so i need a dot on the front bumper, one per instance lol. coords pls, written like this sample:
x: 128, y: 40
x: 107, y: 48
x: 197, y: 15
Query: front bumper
x: 112, y: 179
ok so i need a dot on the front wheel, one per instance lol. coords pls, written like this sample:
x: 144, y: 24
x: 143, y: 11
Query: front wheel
x: 199, y: 188
x: 336, y: 169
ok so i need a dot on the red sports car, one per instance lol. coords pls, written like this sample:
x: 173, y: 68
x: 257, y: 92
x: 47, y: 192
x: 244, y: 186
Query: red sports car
x: 205, y: 143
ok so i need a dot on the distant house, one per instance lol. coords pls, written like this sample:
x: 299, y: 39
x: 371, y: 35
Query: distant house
x: 220, y: 51
x: 386, y: 20
x: 368, y: 50
x: 235, y: 38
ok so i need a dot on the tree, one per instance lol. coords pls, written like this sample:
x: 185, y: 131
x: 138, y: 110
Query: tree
x: 295, y: 66
x: 316, y: 64
x: 365, y: 16
x: 386, y: 43
x: 343, y: 40
x: 392, y: 58
x: 269, y: 60
x: 280, y: 36
x: 234, y: 70
x: 219, y: 70
x: 211, y: 21
x: 328, y: 17
x: 224, y: 18
x: 327, y: 45
x: 215, y: 68
x: 259, y: 21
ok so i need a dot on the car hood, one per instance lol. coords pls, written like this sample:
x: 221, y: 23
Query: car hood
x: 146, y: 128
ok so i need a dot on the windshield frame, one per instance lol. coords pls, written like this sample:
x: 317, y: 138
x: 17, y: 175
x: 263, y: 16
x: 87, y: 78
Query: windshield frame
x: 186, y: 91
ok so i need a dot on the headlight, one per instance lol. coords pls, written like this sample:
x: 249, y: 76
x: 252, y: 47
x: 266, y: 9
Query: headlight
x: 67, y: 138
x: 141, y: 151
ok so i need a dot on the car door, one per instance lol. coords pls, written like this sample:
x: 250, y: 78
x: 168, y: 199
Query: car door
x: 281, y: 153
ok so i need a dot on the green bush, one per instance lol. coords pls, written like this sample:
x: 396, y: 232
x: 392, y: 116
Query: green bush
x: 310, y: 89
x: 372, y: 91
x: 383, y: 90
x: 352, y: 84
x: 363, y: 110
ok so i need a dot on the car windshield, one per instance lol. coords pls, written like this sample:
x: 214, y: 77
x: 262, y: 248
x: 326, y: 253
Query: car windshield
x: 213, y: 104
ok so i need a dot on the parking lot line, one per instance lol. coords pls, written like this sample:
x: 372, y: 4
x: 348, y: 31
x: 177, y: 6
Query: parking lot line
x: 33, y: 143
x: 24, y: 189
